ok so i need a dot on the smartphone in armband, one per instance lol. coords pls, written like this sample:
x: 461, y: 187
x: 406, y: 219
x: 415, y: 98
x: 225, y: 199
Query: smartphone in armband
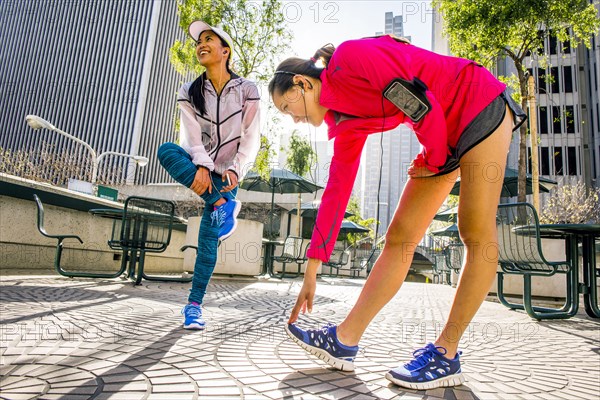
x: 409, y: 97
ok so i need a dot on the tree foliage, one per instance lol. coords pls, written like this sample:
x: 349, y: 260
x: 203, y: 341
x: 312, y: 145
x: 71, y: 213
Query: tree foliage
x: 262, y: 164
x: 257, y: 28
x: 572, y: 204
x: 484, y: 30
x: 370, y: 223
x: 301, y: 156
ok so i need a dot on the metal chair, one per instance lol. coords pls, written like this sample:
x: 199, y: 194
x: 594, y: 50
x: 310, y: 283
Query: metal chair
x: 59, y: 249
x: 441, y: 273
x: 520, y: 253
x: 291, y: 252
x: 339, y: 258
x: 454, y: 256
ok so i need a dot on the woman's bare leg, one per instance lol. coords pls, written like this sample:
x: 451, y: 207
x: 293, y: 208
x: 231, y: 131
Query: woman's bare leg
x: 482, y: 173
x: 420, y: 200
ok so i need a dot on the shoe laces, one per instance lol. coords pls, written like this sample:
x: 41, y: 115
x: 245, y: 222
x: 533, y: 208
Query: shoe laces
x: 218, y: 216
x: 193, y: 311
x: 422, y: 357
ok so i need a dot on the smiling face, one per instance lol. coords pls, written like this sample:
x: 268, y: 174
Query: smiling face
x: 210, y: 49
x: 301, y: 101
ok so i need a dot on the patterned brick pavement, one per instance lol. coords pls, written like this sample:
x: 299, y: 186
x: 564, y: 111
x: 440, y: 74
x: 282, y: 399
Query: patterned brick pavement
x: 100, y: 339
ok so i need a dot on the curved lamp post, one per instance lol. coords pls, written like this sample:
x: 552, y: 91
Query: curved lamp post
x: 140, y: 160
x: 36, y: 123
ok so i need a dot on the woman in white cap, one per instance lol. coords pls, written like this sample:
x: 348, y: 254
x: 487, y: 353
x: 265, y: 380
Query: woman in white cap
x: 219, y: 140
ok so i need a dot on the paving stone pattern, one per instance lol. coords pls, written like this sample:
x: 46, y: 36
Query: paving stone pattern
x: 66, y: 338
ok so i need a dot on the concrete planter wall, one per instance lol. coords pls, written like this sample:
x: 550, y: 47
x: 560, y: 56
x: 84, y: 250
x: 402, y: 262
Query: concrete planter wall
x: 23, y: 247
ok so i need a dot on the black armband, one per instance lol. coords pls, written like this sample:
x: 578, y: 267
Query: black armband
x: 409, y: 96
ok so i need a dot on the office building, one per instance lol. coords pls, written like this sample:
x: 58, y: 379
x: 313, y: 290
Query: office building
x: 98, y: 70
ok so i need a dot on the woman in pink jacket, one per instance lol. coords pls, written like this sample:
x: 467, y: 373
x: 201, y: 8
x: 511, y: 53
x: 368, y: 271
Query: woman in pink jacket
x: 464, y: 119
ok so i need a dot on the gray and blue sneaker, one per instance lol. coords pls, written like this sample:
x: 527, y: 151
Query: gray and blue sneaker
x: 429, y: 369
x: 324, y: 344
x: 225, y: 217
x: 193, y: 317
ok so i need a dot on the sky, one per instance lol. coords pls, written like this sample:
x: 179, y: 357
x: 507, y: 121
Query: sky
x: 315, y: 23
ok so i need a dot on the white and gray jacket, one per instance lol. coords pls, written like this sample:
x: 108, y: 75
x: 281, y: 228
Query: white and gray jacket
x: 227, y: 137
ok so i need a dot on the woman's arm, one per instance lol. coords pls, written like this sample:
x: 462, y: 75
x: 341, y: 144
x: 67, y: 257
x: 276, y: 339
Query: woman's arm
x: 347, y: 149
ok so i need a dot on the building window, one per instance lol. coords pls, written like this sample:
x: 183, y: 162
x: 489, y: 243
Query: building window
x: 529, y: 160
x: 570, y: 119
x: 572, y: 160
x: 556, y: 125
x: 553, y: 43
x: 566, y: 47
x: 554, y: 80
x: 558, y: 161
x: 597, y: 119
x: 568, y: 79
x: 541, y: 80
x: 544, y: 161
x: 543, y: 120
x: 542, y: 38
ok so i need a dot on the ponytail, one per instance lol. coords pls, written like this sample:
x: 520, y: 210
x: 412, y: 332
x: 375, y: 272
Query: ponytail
x: 282, y: 81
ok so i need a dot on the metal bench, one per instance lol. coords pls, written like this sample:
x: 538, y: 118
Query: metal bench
x: 59, y: 249
x: 520, y: 253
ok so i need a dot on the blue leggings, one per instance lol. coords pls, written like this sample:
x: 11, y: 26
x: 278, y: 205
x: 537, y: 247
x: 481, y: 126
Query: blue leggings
x: 178, y: 164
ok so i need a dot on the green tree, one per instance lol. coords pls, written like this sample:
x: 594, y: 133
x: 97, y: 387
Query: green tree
x: 370, y: 223
x: 300, y: 159
x: 485, y: 30
x: 301, y: 155
x: 257, y: 28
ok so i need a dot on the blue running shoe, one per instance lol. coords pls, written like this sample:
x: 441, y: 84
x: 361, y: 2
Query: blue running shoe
x: 225, y: 217
x: 324, y: 344
x: 429, y: 370
x: 193, y: 317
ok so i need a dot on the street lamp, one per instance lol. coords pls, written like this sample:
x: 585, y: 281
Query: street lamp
x: 140, y: 160
x: 36, y: 123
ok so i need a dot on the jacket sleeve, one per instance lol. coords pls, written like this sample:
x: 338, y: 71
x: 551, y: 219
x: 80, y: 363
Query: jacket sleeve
x: 190, y: 131
x: 250, y: 135
x: 379, y: 65
x: 347, y: 149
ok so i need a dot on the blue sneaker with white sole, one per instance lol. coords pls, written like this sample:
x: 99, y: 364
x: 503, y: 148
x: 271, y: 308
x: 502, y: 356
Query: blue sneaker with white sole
x: 225, y: 217
x: 193, y: 317
x: 429, y: 369
x: 324, y: 344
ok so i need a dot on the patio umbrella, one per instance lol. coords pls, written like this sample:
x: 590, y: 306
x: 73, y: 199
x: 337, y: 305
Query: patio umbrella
x: 448, y: 215
x: 511, y: 182
x: 450, y: 231
x: 310, y: 210
x: 352, y: 227
x: 280, y: 181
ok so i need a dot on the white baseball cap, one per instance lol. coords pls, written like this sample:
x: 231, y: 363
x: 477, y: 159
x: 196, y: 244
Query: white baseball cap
x: 197, y: 27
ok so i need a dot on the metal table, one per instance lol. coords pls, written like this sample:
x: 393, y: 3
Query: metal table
x: 136, y: 238
x: 585, y: 234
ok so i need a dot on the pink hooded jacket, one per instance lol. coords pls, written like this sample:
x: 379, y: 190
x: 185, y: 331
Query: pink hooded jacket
x: 352, y: 90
